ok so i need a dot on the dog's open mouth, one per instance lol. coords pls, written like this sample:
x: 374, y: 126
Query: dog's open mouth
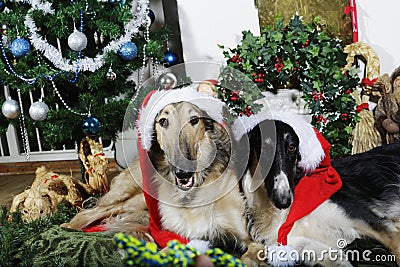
x: 184, y: 180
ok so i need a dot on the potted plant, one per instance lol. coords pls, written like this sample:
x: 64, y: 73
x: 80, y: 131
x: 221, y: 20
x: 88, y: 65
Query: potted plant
x: 302, y: 56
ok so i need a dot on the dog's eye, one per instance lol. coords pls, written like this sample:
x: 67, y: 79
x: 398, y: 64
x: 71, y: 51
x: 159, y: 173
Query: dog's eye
x: 194, y: 120
x: 163, y: 122
x: 291, y: 149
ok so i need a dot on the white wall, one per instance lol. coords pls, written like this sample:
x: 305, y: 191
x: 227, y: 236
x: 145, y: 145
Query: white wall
x: 378, y: 26
x: 205, y: 24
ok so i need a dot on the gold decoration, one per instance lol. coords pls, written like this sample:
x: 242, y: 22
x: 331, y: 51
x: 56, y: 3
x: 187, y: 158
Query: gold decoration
x: 46, y: 192
x: 121, y: 209
x: 95, y: 163
x: 331, y: 12
x: 364, y: 136
x: 369, y: 56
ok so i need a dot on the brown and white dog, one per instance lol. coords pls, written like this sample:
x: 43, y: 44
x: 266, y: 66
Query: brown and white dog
x: 198, y: 191
x: 195, y: 181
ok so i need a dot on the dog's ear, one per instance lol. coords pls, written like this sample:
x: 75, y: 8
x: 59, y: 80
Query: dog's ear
x: 209, y: 124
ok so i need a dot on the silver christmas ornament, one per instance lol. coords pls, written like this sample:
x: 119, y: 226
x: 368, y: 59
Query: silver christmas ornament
x: 167, y: 81
x: 10, y: 109
x: 4, y: 28
x: 77, y: 41
x: 38, y: 111
x: 110, y: 75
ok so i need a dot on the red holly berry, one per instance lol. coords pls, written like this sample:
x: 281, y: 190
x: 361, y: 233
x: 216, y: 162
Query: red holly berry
x: 234, y: 98
x: 348, y: 91
x: 235, y: 58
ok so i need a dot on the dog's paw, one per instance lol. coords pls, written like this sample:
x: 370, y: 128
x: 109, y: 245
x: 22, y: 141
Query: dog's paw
x: 254, y: 256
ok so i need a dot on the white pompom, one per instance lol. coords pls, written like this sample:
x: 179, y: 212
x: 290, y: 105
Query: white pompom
x: 282, y: 256
x: 200, y: 245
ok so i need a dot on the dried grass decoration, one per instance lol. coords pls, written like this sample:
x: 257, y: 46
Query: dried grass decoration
x: 95, y: 163
x: 46, y: 192
x: 364, y: 136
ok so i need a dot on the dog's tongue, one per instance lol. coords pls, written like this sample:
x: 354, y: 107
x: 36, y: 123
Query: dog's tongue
x: 185, y: 183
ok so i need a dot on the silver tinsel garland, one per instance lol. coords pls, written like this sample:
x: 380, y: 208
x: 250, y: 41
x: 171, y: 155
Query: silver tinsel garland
x: 86, y: 63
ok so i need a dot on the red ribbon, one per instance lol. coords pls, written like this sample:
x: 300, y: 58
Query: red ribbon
x: 52, y: 177
x: 368, y: 82
x: 354, y: 22
x: 98, y: 154
x: 362, y: 106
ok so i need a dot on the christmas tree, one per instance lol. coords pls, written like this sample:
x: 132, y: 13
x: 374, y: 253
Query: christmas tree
x: 66, y: 65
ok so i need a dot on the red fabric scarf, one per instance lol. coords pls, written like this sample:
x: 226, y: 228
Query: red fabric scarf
x: 160, y: 235
x: 311, y: 191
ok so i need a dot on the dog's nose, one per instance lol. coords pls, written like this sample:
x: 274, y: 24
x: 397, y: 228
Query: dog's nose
x: 182, y: 173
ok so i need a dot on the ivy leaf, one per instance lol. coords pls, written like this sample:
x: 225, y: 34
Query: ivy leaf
x: 288, y: 65
x: 317, y: 85
x: 314, y: 51
x: 348, y: 129
x: 296, y: 23
x: 276, y: 37
x: 353, y: 71
x: 326, y: 50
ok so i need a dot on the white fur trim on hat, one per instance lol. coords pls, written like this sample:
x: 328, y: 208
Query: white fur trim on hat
x: 201, y: 245
x: 310, y: 148
x: 211, y: 105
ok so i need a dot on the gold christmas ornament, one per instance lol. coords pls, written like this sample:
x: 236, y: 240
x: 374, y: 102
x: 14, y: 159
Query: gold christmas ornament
x: 207, y: 87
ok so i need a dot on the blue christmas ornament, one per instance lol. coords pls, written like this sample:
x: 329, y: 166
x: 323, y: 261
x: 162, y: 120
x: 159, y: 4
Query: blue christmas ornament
x: 148, y: 21
x: 152, y: 16
x: 128, y: 51
x: 2, y: 6
x: 20, y: 47
x: 91, y: 126
x: 170, y: 58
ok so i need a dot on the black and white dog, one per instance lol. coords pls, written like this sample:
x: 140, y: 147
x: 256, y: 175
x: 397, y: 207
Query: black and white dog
x: 282, y: 150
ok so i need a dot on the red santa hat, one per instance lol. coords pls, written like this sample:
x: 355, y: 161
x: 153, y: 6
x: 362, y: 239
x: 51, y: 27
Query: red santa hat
x: 320, y: 183
x: 154, y: 102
